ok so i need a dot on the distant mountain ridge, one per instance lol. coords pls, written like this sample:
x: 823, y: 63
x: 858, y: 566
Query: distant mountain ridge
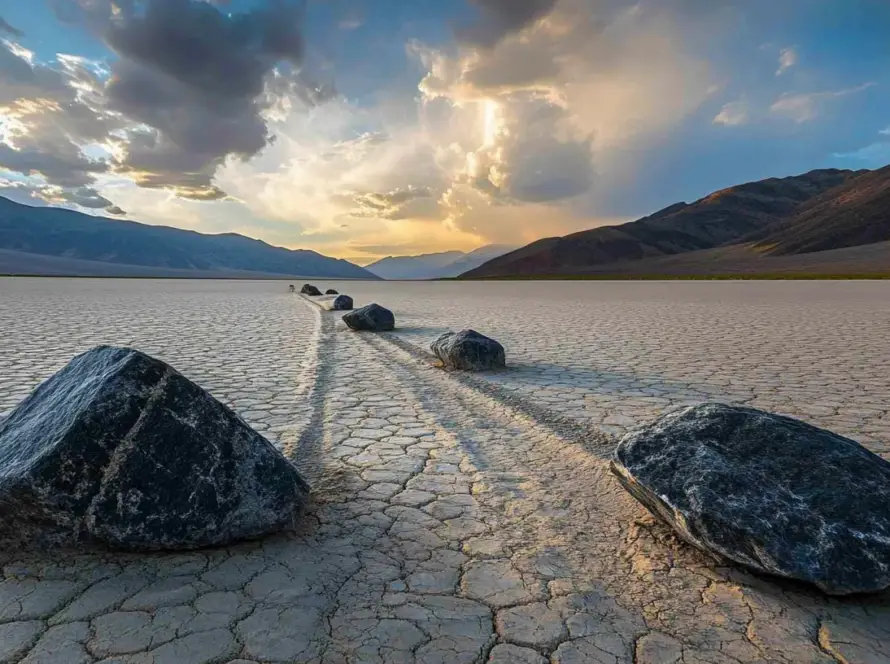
x: 435, y: 266
x: 413, y: 267
x: 853, y: 214
x: 817, y: 211
x: 66, y: 234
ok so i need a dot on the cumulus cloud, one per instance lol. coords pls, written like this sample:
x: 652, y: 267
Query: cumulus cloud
x: 60, y: 169
x: 529, y: 120
x: 83, y: 196
x: 193, y: 78
x: 47, y: 115
x: 874, y: 155
x: 191, y: 86
x: 510, y: 130
x: 787, y: 59
x: 531, y: 151
x: 21, y: 78
x: 401, y: 203
x: 801, y: 108
x: 344, y: 177
x: 733, y: 114
x: 499, y: 18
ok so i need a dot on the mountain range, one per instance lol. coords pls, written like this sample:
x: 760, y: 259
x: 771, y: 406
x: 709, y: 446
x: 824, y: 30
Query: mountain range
x: 825, y: 221
x: 436, y: 266
x: 47, y: 240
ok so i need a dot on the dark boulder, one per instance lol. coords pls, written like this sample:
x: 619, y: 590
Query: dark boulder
x: 119, y: 449
x: 331, y: 291
x: 309, y: 289
x: 372, y: 318
x: 469, y: 350
x: 769, y: 492
x: 336, y: 302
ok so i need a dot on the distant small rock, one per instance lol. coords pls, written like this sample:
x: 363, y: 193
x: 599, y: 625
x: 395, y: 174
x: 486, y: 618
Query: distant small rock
x: 335, y: 302
x: 372, y: 318
x: 331, y: 291
x: 470, y: 351
x: 309, y: 289
x: 121, y: 450
x: 292, y: 288
x: 772, y: 493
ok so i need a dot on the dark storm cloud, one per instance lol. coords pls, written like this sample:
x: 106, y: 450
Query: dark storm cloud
x: 10, y: 30
x: 500, y: 18
x: 85, y: 197
x: 52, y: 118
x: 89, y: 198
x: 20, y: 79
x: 195, y: 80
x: 196, y: 76
x: 63, y: 169
x: 209, y: 53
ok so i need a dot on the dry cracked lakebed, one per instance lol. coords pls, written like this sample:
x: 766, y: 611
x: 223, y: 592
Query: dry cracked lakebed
x: 453, y: 518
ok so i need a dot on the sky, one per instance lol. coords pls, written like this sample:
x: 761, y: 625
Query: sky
x: 367, y: 128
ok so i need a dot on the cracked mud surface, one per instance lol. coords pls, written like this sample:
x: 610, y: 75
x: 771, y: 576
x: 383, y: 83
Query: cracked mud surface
x: 455, y: 518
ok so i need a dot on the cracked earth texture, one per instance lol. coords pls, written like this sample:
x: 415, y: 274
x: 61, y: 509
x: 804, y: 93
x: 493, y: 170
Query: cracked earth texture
x: 455, y: 518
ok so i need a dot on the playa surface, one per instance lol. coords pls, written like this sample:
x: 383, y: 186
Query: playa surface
x: 455, y: 518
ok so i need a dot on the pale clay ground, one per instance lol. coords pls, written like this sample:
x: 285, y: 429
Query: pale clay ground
x: 455, y: 518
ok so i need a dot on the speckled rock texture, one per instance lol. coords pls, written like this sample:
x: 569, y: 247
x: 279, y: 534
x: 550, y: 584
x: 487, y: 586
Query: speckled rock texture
x: 770, y: 492
x: 335, y: 302
x: 309, y: 289
x: 468, y: 350
x: 119, y: 449
x: 331, y: 291
x: 372, y: 318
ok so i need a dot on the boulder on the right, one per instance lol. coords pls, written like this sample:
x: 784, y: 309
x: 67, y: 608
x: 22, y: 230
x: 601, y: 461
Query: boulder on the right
x: 469, y: 351
x: 770, y: 492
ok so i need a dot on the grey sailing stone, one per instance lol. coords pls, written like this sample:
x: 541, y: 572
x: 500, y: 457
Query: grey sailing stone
x: 120, y: 449
x: 372, y: 318
x: 309, y: 289
x: 469, y: 350
x: 335, y: 302
x: 331, y: 291
x: 769, y: 492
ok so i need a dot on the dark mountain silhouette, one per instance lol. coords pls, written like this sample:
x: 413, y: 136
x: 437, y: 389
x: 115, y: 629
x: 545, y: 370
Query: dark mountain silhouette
x: 819, y: 210
x: 853, y: 214
x: 66, y: 234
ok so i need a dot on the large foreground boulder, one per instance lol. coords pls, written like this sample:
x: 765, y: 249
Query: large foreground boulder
x: 119, y: 449
x: 468, y: 350
x: 335, y: 302
x: 309, y: 289
x: 766, y: 491
x: 372, y: 318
